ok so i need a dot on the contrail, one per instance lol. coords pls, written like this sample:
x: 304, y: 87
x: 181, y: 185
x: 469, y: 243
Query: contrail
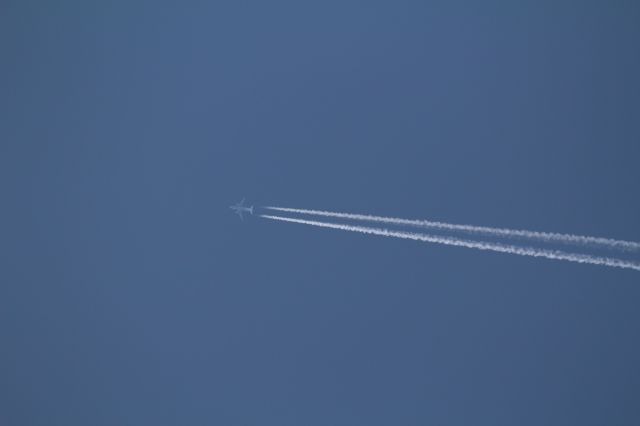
x: 503, y: 248
x: 548, y: 237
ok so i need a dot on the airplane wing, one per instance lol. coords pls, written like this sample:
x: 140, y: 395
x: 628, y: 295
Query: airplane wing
x: 239, y: 213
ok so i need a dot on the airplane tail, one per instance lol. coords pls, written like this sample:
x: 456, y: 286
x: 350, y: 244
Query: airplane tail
x: 251, y: 210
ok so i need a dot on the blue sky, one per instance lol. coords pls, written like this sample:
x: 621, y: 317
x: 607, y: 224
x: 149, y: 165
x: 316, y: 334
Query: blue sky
x: 131, y: 295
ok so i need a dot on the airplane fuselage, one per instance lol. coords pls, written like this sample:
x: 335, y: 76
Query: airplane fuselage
x: 238, y: 209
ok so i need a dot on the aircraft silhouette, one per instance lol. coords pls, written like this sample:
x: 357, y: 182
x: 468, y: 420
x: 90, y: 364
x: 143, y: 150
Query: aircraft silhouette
x: 240, y: 208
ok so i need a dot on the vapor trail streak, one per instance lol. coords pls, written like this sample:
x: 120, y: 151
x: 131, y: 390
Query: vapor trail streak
x: 548, y: 237
x: 503, y: 248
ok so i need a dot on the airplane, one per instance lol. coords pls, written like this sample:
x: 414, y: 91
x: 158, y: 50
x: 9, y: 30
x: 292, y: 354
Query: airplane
x: 240, y: 208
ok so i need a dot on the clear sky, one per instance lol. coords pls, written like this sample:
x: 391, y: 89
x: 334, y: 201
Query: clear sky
x: 131, y: 295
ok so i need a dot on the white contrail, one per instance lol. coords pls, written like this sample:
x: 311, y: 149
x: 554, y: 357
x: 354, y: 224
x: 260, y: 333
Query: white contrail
x: 503, y: 248
x: 548, y: 237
